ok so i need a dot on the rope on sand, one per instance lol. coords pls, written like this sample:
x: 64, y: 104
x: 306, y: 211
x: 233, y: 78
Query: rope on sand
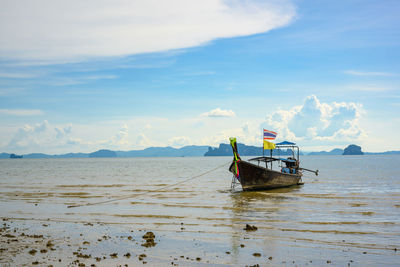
x: 150, y: 191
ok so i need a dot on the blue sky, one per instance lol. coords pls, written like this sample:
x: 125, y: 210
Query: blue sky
x: 126, y: 75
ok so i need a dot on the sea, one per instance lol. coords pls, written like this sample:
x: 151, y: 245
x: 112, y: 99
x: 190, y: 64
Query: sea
x: 348, y: 215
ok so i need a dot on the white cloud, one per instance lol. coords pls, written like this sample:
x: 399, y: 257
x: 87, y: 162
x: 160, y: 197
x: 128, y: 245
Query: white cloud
x: 179, y: 141
x: 249, y: 133
x: 66, y: 81
x: 316, y: 122
x: 62, y: 31
x: 370, y: 88
x: 46, y: 138
x: 219, y: 113
x: 10, y: 91
x: 21, y: 112
x: 75, y: 141
x: 368, y: 73
x: 118, y: 141
x: 100, y: 77
x: 60, y: 133
x: 143, y: 141
x: 17, y: 75
x: 121, y: 138
x: 30, y: 135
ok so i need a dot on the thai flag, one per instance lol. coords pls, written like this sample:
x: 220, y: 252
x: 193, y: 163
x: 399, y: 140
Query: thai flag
x: 269, y: 135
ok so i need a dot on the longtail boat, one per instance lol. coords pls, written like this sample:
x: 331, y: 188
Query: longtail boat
x: 264, y: 175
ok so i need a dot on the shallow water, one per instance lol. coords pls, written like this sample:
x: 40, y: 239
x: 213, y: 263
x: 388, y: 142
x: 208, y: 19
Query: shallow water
x: 350, y: 213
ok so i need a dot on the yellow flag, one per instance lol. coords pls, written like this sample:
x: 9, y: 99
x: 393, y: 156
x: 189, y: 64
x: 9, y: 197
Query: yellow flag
x: 269, y: 145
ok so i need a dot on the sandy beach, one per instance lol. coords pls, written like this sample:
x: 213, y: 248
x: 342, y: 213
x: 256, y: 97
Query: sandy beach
x: 55, y: 243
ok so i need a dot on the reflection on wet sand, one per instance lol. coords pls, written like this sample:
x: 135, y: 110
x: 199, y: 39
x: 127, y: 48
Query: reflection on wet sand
x: 274, y: 195
x: 261, y: 208
x: 283, y: 213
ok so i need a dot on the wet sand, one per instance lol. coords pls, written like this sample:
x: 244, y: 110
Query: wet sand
x: 25, y: 242
x: 56, y: 243
x: 332, y: 220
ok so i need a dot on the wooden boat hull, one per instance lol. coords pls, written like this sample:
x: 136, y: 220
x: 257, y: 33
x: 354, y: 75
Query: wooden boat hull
x: 253, y: 177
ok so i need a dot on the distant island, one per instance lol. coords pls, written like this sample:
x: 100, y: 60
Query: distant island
x: 186, y: 151
x: 15, y: 156
x: 353, y: 150
x: 103, y: 153
x: 336, y: 151
x: 195, y: 151
x: 244, y: 150
x: 349, y: 150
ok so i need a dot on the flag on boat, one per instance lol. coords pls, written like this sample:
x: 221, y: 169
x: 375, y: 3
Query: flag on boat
x: 269, y: 135
x: 269, y: 145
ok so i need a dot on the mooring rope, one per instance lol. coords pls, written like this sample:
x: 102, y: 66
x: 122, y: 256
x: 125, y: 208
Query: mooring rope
x: 150, y: 191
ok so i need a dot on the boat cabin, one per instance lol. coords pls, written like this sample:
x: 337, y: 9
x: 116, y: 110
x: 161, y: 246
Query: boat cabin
x: 288, y: 165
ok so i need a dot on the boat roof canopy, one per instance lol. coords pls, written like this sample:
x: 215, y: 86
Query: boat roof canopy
x: 285, y: 143
x: 269, y: 159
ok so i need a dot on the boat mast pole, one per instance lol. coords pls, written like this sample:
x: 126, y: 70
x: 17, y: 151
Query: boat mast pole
x: 271, y: 157
x: 262, y: 135
x: 263, y: 149
x: 298, y: 154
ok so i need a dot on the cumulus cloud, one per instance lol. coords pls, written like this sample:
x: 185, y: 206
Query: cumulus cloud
x: 30, y: 135
x: 121, y: 138
x: 39, y: 136
x: 43, y: 137
x: 61, y: 132
x: 179, y: 141
x: 64, y: 30
x: 219, y: 113
x: 147, y: 127
x: 316, y: 121
x: 75, y: 141
x: 248, y: 133
x: 143, y: 141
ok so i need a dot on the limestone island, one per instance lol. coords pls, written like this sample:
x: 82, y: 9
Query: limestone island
x: 353, y: 150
